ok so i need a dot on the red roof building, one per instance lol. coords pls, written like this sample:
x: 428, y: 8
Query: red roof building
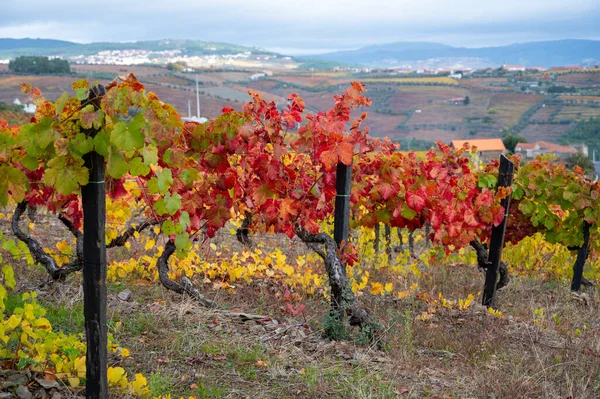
x: 532, y: 150
x: 487, y: 149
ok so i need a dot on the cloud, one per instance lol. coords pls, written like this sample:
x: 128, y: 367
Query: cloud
x: 308, y: 24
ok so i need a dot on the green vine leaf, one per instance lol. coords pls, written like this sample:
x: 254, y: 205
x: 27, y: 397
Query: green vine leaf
x: 13, y: 182
x: 66, y: 174
x: 127, y: 138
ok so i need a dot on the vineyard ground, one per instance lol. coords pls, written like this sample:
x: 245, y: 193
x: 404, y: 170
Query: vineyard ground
x: 186, y: 350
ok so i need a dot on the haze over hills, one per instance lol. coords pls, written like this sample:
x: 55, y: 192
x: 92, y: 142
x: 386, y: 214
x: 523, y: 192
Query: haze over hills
x: 423, y: 54
x: 399, y: 54
x: 194, y: 53
x: 14, y: 47
x: 15, y: 44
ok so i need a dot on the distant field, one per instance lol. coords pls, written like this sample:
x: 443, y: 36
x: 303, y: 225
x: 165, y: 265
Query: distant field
x: 595, y: 99
x: 209, y: 106
x: 171, y: 79
x: 265, y: 95
x: 570, y: 71
x: 579, y: 78
x: 306, y: 81
x: 412, y: 97
x: 508, y: 107
x: 484, y: 83
x: 14, y: 118
x: 440, y: 114
x: 541, y: 132
x: 117, y: 70
x: 436, y: 80
x: 577, y: 113
x: 430, y: 134
x: 331, y: 74
x: 543, y: 114
x: 51, y: 86
x: 262, y: 85
x: 225, y: 93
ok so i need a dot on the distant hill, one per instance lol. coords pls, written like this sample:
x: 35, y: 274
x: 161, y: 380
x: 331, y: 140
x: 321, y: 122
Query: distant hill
x: 11, y: 48
x: 13, y: 44
x: 547, y: 53
x: 415, y: 54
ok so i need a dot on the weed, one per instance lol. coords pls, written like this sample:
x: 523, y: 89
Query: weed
x: 69, y: 320
x: 211, y: 349
x: 311, y: 377
x: 139, y: 323
x: 160, y: 384
x: 243, y: 354
x: 335, y: 328
x: 407, y: 334
x: 206, y: 391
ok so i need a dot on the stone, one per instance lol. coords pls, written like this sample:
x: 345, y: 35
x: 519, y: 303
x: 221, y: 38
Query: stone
x: 23, y: 393
x: 125, y: 295
x: 47, y: 384
x: 17, y: 379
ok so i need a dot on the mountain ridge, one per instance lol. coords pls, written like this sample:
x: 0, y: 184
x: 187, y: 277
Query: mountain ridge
x: 396, y: 54
x: 542, y: 53
x: 11, y: 48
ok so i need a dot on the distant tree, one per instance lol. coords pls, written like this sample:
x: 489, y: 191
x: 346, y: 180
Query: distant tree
x: 36, y: 65
x: 175, y: 67
x: 10, y: 107
x: 562, y: 89
x: 467, y: 100
x: 511, y: 140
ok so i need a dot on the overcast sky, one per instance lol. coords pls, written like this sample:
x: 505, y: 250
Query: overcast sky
x: 304, y: 26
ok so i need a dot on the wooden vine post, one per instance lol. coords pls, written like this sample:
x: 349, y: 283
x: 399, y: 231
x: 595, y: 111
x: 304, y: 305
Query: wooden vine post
x: 343, y: 186
x: 505, y: 179
x: 93, y: 197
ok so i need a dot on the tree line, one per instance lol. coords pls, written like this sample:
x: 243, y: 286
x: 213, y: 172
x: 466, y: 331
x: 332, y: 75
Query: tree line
x: 36, y: 65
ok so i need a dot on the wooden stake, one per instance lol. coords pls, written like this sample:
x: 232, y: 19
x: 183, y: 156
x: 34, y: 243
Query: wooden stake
x: 343, y: 185
x: 505, y: 179
x: 94, y: 267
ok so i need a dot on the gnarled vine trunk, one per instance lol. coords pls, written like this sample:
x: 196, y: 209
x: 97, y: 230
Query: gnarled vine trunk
x: 377, y: 238
x: 582, y: 255
x: 185, y: 286
x: 388, y: 242
x: 411, y: 243
x: 400, y: 246
x: 56, y: 272
x: 482, y: 262
x: 242, y: 232
x: 343, y: 301
x: 37, y: 251
x: 127, y: 234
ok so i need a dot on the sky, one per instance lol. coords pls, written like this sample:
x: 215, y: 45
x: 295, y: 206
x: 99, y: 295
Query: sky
x: 304, y: 26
